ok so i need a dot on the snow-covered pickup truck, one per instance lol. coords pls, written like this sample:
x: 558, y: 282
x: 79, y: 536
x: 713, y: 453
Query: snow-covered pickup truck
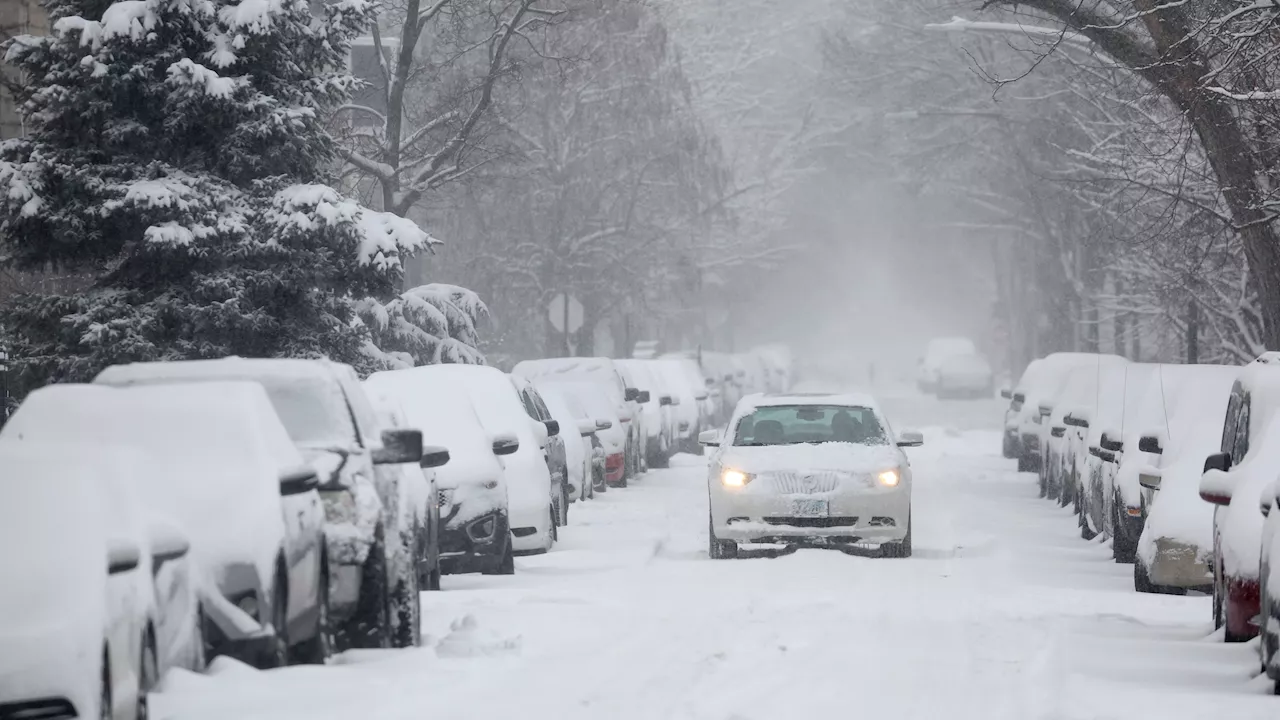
x: 332, y: 422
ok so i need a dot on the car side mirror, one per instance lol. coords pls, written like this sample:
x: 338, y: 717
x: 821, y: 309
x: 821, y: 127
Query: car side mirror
x: 700, y: 396
x: 644, y: 398
x: 505, y: 445
x: 675, y: 401
x: 632, y: 395
x: 709, y: 382
x: 1046, y: 410
x: 553, y: 427
x: 1111, y: 442
x: 1150, y: 481
x: 910, y: 438
x: 1215, y: 484
x: 1075, y: 421
x: 402, y: 445
x: 167, y: 543
x: 604, y: 424
x: 664, y: 400
x: 122, y: 556
x: 1006, y: 393
x: 1218, y: 461
x: 1019, y: 397
x: 1058, y: 431
x: 434, y: 457
x: 586, y: 428
x: 298, y: 480
x: 710, y: 438
x: 1150, y: 444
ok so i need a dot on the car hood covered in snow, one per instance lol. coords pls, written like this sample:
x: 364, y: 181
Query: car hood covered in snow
x: 845, y: 457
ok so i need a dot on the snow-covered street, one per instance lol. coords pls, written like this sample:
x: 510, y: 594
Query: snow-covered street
x: 1003, y: 613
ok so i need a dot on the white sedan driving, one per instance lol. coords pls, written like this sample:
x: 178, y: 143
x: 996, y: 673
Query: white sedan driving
x: 813, y: 469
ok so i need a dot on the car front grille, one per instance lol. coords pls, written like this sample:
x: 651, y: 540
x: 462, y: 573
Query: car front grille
x: 813, y: 522
x: 45, y: 709
x: 804, y: 483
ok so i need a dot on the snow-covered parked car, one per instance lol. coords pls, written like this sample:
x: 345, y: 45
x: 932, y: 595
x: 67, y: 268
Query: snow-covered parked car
x: 1040, y: 390
x: 1269, y: 585
x: 561, y: 397
x: 814, y: 469
x: 417, y: 556
x: 553, y: 449
x: 696, y: 383
x: 659, y: 416
x: 1175, y: 548
x: 604, y: 374
x: 675, y: 381
x: 77, y: 605
x: 475, y: 533
x: 1011, y: 444
x: 963, y: 375
x: 610, y: 433
x: 331, y: 421
x: 531, y: 495
x: 1247, y: 462
x: 231, y: 480
x: 1116, y: 411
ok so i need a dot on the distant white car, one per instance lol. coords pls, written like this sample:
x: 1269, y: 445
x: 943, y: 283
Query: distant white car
x: 815, y: 469
x: 936, y: 352
x: 967, y: 375
x: 77, y: 605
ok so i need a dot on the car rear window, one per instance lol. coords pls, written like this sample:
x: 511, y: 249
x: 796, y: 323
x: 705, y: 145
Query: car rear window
x: 794, y: 424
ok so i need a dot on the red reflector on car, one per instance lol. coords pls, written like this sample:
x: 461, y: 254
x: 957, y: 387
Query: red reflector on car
x: 1134, y: 512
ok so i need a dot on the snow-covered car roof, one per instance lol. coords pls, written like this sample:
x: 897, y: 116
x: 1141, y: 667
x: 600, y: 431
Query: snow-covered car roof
x: 229, y: 368
x: 809, y: 398
x: 308, y: 394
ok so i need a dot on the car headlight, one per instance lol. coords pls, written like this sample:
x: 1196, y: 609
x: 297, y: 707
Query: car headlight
x: 731, y: 478
x: 889, y: 478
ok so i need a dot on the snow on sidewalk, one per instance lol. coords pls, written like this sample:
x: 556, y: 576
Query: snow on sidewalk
x: 1003, y: 613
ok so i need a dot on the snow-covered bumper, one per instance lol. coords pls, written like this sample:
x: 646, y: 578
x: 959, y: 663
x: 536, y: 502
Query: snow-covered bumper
x: 845, y: 508
x: 474, y: 528
x: 1181, y: 564
x: 50, y: 672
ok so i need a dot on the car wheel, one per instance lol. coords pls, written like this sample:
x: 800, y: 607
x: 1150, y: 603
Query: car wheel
x: 900, y: 549
x: 278, y: 654
x: 317, y: 649
x: 507, y: 563
x: 105, y: 711
x: 408, y: 612
x: 148, y: 675
x: 1123, y: 550
x: 1141, y: 579
x: 564, y: 505
x: 718, y: 549
x: 370, y: 626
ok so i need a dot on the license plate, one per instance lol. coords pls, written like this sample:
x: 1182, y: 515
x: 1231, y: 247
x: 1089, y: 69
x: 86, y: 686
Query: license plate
x: 806, y: 507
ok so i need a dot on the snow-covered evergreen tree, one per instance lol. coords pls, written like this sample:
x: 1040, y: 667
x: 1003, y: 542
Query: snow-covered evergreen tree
x: 178, y: 147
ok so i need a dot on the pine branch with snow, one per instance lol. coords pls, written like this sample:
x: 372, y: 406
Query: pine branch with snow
x: 177, y: 148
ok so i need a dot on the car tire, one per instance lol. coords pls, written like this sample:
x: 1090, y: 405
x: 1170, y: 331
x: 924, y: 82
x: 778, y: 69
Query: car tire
x: 317, y: 649
x: 105, y: 698
x: 278, y: 654
x: 370, y: 626
x: 900, y: 549
x: 1123, y: 550
x: 430, y: 580
x: 564, y: 505
x: 148, y: 674
x: 718, y: 549
x: 506, y: 563
x: 407, y: 607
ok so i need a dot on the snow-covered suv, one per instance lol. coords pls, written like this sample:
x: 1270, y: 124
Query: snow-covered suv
x: 333, y: 423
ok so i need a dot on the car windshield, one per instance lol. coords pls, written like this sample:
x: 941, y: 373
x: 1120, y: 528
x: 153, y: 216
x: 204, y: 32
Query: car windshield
x: 795, y: 424
x: 313, y: 410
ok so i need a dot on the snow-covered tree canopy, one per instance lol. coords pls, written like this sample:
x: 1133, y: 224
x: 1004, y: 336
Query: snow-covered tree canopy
x: 177, y: 147
x: 427, y: 325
